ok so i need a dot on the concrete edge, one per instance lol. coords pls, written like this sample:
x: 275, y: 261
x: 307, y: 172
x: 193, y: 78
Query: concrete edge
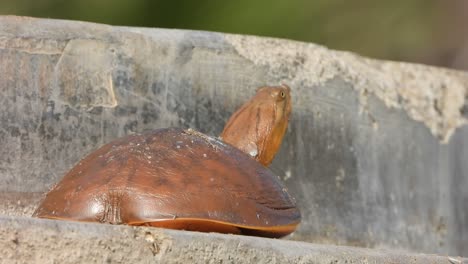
x: 40, y: 240
x: 435, y: 96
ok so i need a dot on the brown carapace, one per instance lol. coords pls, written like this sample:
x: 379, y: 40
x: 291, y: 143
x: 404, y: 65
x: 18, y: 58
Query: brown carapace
x: 258, y: 127
x: 174, y: 178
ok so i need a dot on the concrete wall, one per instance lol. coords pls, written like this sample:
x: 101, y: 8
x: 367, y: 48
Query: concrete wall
x: 375, y: 153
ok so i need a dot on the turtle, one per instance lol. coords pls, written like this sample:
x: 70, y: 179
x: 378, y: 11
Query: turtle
x: 183, y: 179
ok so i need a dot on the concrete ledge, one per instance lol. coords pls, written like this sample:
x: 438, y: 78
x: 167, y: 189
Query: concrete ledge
x: 28, y: 240
x: 375, y: 153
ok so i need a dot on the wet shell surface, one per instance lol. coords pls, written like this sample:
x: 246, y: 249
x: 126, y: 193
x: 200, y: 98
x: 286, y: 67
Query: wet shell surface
x: 174, y: 178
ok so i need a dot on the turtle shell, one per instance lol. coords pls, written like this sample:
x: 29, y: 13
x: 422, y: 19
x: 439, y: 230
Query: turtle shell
x: 174, y: 178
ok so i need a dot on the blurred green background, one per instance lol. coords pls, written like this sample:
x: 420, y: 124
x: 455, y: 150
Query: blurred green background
x: 423, y: 31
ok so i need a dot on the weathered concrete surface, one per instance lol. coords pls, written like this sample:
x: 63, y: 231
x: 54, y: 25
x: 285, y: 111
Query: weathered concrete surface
x: 375, y: 153
x: 29, y: 240
x: 19, y: 203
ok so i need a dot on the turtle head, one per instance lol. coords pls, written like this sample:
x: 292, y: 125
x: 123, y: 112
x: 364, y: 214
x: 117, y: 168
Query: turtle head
x: 258, y: 127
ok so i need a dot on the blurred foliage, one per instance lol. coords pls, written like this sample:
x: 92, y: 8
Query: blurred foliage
x: 426, y: 31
